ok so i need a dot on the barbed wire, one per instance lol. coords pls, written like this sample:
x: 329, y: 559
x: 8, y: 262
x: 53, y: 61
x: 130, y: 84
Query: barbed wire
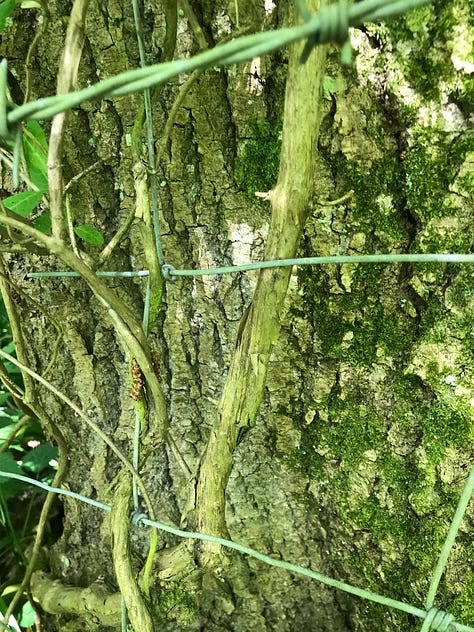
x: 330, y: 24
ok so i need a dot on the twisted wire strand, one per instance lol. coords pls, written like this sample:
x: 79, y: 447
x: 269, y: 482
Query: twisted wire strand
x: 438, y: 621
x: 334, y: 19
x: 333, y: 27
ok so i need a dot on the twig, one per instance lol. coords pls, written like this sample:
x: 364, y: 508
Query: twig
x: 70, y: 227
x: 92, y: 424
x: 32, y: 47
x: 340, y: 200
x: 194, y: 23
x: 67, y: 78
x: 79, y: 176
x: 16, y: 428
x: 120, y: 525
x: 116, y: 239
x: 127, y: 326
x: 183, y: 91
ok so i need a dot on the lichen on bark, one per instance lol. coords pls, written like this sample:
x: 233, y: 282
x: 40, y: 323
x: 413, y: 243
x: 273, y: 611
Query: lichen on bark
x: 386, y: 427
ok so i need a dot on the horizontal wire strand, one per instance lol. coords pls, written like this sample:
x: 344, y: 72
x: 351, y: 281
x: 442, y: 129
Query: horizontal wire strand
x: 194, y: 535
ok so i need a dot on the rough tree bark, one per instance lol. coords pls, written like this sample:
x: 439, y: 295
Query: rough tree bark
x: 354, y: 460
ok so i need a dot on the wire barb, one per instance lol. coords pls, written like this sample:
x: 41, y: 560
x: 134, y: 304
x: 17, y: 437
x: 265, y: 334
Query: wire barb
x: 333, y: 26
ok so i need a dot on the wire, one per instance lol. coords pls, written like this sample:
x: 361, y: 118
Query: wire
x: 241, y: 49
x: 170, y: 272
x: 300, y: 570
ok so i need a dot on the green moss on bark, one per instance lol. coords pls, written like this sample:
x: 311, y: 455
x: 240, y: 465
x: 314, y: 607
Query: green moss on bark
x: 386, y: 445
x: 177, y: 599
x: 258, y: 159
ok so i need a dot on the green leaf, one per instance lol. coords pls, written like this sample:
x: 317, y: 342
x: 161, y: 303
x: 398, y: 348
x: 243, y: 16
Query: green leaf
x: 6, y: 9
x: 35, y: 128
x: 36, y: 155
x: 6, y: 427
x: 3, y: 604
x: 43, y: 223
x: 31, y: 4
x: 23, y: 203
x: 12, y: 369
x: 8, y: 464
x: 90, y: 234
x: 9, y: 347
x: 3, y: 398
x: 10, y: 486
x: 27, y: 616
x: 38, y: 458
x: 12, y: 622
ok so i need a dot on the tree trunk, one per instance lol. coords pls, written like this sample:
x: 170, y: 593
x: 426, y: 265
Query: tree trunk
x: 350, y: 461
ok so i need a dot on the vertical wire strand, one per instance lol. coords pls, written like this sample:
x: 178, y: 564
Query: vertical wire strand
x: 448, y: 543
x: 156, y: 227
x: 150, y: 136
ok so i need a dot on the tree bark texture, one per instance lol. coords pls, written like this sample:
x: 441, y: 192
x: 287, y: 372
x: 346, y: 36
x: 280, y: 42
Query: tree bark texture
x: 356, y: 455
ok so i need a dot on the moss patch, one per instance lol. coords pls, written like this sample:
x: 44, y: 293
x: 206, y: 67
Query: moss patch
x: 176, y: 599
x: 463, y: 607
x: 427, y: 64
x: 258, y: 160
x: 430, y: 166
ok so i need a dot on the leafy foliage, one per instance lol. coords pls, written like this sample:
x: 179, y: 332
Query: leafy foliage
x: 23, y: 203
x: 90, y: 234
x: 24, y: 451
x: 6, y: 9
x: 35, y: 149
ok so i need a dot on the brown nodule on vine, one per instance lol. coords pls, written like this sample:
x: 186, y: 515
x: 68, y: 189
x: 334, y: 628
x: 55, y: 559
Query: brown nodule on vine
x: 137, y: 381
x: 155, y: 359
